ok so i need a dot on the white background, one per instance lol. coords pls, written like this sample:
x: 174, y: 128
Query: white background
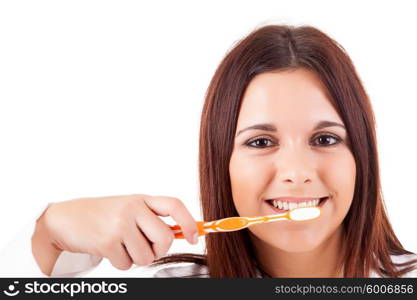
x: 102, y: 98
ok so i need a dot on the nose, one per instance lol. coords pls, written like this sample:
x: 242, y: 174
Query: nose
x: 294, y: 166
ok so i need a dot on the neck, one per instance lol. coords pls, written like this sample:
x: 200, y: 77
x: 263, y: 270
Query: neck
x: 323, y: 261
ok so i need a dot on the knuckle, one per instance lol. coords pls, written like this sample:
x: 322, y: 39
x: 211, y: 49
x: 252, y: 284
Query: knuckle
x: 136, y: 198
x: 164, y: 243
x: 130, y: 205
x: 190, y: 232
x: 166, y: 240
x: 168, y: 237
x: 122, y: 265
x: 150, y: 260
x: 107, y: 244
x: 145, y: 260
x: 190, y: 226
x: 140, y: 263
x: 120, y: 225
x: 176, y: 203
x: 137, y: 261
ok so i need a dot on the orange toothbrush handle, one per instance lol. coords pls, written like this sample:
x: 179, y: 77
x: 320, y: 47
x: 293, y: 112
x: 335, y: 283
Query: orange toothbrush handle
x: 178, y: 232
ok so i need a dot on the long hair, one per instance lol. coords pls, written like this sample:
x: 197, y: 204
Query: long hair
x: 369, y: 237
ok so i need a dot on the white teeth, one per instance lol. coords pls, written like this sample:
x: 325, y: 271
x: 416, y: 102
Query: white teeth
x: 278, y: 204
x: 291, y: 205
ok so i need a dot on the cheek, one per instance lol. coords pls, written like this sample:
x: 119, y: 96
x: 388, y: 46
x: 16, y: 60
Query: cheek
x: 339, y: 175
x: 247, y: 180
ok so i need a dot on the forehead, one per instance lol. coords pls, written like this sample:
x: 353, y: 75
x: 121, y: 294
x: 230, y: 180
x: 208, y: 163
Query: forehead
x: 285, y: 97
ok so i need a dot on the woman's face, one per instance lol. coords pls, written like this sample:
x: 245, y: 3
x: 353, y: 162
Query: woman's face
x: 300, y: 151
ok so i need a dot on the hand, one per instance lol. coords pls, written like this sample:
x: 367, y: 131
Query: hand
x: 124, y: 229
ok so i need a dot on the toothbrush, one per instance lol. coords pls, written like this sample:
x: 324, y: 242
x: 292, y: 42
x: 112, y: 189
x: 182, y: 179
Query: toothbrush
x: 236, y: 223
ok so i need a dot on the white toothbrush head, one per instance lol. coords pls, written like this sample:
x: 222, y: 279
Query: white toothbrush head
x: 304, y: 213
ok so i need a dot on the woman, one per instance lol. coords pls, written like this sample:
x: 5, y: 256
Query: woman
x: 286, y: 123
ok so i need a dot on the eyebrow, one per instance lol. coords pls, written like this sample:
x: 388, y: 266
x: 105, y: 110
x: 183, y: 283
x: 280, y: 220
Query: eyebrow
x: 271, y: 127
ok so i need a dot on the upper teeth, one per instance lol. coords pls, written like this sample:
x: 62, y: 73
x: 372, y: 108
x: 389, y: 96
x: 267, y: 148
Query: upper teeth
x: 292, y: 205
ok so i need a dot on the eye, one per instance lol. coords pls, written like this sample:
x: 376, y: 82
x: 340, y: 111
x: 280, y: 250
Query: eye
x: 325, y: 140
x: 261, y: 142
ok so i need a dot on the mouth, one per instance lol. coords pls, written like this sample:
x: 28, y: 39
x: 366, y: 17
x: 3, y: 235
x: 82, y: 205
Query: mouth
x: 282, y: 206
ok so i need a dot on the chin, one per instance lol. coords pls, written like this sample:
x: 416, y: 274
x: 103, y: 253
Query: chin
x: 297, y: 247
x: 297, y: 242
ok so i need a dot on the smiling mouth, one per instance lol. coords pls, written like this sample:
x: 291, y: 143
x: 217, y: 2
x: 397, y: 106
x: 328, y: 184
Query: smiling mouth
x: 282, y: 206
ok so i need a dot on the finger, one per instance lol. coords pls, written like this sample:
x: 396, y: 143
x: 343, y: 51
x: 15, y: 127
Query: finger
x: 118, y: 255
x: 138, y: 246
x: 168, y: 206
x: 156, y: 231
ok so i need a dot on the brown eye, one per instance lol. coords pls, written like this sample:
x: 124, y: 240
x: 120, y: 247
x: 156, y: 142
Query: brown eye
x: 326, y: 140
x: 258, y: 143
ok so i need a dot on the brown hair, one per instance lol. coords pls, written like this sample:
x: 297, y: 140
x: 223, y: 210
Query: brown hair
x: 369, y: 237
